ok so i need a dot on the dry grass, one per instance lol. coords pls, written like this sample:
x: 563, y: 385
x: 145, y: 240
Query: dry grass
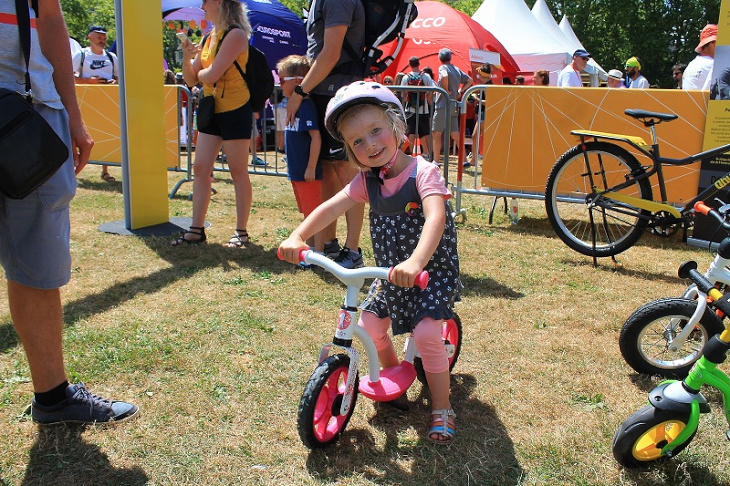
x: 215, y: 345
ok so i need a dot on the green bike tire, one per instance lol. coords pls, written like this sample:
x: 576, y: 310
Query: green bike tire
x: 616, y: 226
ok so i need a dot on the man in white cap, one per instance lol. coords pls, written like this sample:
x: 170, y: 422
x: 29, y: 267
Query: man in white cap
x: 615, y: 79
x: 96, y: 65
x: 569, y: 77
x: 697, y: 75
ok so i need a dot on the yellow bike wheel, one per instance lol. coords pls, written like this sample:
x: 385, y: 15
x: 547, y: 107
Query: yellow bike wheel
x: 649, y: 446
x: 641, y: 438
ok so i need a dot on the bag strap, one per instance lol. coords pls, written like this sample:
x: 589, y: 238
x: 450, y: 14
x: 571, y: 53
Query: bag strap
x: 218, y: 46
x: 23, y: 15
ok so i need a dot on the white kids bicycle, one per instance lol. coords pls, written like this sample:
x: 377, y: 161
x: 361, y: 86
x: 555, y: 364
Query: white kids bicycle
x: 331, y: 392
x: 666, y: 336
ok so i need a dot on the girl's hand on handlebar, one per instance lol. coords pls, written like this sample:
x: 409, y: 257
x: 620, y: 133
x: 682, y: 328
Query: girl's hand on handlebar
x: 289, y: 249
x: 404, y: 274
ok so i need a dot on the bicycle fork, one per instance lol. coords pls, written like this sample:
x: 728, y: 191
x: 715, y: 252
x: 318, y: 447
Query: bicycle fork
x: 347, y: 328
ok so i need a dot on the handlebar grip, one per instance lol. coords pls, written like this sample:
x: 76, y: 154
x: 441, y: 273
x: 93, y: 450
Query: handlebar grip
x: 421, y: 280
x: 302, y: 252
x: 703, y: 208
x: 689, y: 270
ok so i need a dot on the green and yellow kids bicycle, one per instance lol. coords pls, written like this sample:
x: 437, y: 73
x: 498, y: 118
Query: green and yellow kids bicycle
x: 666, y: 426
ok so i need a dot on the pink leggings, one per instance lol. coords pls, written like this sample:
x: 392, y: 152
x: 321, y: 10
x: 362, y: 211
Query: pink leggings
x: 427, y: 334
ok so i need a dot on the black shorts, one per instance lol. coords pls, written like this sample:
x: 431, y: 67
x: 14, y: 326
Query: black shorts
x: 332, y: 149
x: 418, y: 123
x: 232, y: 125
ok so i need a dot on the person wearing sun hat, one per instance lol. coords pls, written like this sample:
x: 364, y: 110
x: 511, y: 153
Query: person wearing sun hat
x: 698, y: 73
x: 569, y: 77
x: 615, y: 79
x: 632, y: 67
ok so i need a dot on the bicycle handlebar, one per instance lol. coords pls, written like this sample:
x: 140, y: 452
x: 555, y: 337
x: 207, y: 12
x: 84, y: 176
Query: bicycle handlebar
x: 313, y: 258
x: 689, y: 270
x: 703, y: 208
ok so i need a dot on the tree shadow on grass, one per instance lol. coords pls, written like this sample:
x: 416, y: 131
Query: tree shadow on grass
x: 60, y: 455
x: 482, y: 453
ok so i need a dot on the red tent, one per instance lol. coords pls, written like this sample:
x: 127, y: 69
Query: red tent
x: 439, y: 25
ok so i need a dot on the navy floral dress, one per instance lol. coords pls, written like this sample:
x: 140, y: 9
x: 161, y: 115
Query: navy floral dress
x: 396, y: 223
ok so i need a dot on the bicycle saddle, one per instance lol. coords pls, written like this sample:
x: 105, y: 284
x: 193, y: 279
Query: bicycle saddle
x: 649, y: 118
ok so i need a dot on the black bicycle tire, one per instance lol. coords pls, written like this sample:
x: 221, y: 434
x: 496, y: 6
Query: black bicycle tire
x: 631, y: 236
x: 312, y: 390
x: 647, y: 314
x: 634, y: 427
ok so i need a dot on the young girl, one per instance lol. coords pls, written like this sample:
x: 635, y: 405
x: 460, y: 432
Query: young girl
x: 411, y: 228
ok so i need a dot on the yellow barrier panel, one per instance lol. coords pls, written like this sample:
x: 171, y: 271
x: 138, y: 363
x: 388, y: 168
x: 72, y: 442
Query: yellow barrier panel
x: 100, y: 109
x: 527, y: 128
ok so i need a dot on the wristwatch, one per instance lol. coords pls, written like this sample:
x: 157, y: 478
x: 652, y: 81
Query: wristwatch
x: 298, y: 90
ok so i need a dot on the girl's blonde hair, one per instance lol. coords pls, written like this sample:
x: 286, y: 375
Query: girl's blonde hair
x: 395, y: 121
x: 235, y: 12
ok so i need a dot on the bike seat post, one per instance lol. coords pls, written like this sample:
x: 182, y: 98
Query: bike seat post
x: 654, y: 141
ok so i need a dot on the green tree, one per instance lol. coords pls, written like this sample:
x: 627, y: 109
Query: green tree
x: 80, y: 14
x: 661, y: 32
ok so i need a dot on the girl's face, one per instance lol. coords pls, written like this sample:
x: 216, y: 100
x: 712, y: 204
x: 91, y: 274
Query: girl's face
x: 370, y: 136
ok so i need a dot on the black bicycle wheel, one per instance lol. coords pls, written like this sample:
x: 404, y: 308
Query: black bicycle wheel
x: 641, y: 438
x: 647, y: 335
x: 451, y: 334
x: 320, y: 421
x: 578, y: 217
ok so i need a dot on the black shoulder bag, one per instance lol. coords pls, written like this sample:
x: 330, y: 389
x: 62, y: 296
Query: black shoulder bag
x: 30, y: 150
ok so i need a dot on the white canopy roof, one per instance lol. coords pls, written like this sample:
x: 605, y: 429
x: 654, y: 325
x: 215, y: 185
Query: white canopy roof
x: 524, y: 37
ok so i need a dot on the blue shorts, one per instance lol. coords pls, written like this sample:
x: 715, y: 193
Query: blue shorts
x: 232, y: 125
x: 35, y: 231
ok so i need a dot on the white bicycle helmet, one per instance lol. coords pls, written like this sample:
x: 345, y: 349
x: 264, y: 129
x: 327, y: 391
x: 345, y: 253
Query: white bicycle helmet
x: 358, y: 93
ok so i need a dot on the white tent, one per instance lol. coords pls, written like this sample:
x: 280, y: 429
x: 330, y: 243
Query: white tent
x: 524, y: 37
x: 574, y: 43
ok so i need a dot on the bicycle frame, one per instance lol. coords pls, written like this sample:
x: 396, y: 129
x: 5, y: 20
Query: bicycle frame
x: 347, y: 327
x: 652, y: 152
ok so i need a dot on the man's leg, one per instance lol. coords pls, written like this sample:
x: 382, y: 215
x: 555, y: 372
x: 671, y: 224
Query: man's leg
x: 37, y: 317
x: 331, y: 185
x: 437, y: 139
x: 354, y: 215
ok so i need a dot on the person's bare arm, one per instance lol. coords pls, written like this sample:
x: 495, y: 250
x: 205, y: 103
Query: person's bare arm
x: 334, y: 38
x: 51, y: 32
x: 234, y: 44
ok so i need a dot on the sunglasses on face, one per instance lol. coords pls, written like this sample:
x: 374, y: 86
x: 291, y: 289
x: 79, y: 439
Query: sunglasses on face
x: 584, y: 58
x: 677, y: 74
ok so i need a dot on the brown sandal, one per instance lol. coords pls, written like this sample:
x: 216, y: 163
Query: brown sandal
x: 194, y: 230
x: 108, y: 177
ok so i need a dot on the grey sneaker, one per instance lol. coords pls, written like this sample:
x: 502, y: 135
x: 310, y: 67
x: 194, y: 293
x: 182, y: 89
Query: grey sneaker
x: 332, y: 249
x: 350, y: 259
x: 83, y: 407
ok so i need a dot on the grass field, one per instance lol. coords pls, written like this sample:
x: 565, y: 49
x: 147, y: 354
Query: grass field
x: 215, y: 346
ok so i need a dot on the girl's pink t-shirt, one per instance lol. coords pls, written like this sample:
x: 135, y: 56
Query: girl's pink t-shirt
x: 429, y: 181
